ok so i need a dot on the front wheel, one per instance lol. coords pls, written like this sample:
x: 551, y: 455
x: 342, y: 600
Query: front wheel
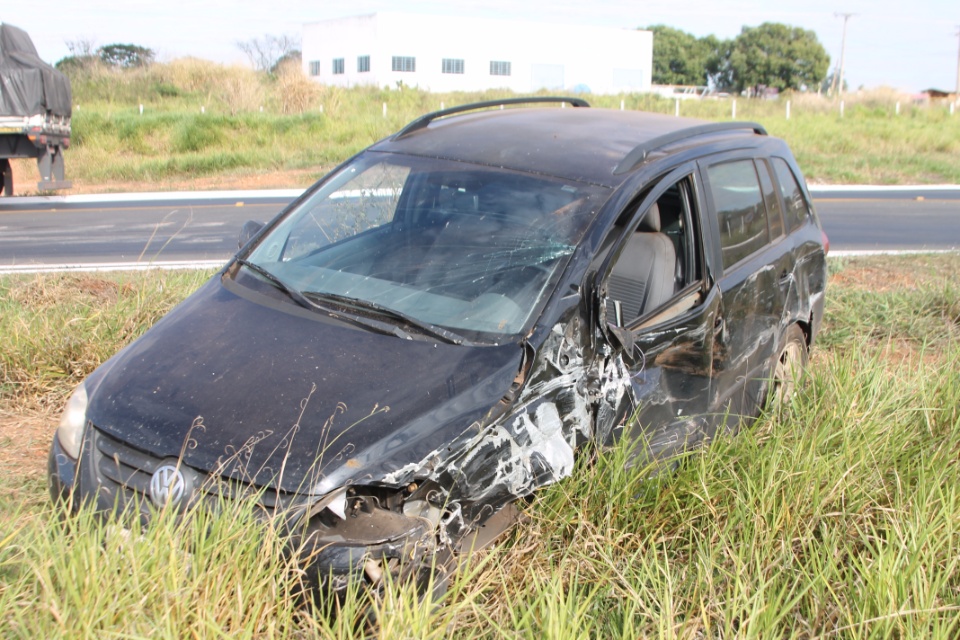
x: 791, y: 361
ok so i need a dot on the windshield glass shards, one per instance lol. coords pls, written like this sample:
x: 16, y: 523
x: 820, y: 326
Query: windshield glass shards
x: 447, y: 244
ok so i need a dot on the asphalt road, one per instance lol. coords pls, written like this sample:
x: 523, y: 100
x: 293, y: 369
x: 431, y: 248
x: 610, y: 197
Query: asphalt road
x: 174, y: 228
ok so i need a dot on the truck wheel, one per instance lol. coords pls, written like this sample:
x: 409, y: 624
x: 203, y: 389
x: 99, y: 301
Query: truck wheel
x: 6, y: 177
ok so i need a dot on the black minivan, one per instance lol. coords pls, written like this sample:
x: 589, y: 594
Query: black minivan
x: 435, y: 329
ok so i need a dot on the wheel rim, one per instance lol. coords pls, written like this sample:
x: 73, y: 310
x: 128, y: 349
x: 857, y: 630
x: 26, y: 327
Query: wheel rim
x: 788, y: 370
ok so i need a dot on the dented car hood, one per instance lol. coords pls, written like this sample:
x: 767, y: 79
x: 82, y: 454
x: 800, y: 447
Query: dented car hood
x: 290, y: 398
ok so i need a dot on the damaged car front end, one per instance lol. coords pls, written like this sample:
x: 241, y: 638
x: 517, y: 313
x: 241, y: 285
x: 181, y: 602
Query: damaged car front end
x: 432, y: 332
x: 372, y: 364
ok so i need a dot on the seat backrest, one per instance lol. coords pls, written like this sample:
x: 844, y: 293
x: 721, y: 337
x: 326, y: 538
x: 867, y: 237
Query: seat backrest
x: 643, y: 277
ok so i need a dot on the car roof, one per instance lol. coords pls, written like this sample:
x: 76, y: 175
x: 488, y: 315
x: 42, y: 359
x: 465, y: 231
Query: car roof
x: 582, y: 144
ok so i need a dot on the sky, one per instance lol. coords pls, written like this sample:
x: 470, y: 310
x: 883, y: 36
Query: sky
x: 909, y: 45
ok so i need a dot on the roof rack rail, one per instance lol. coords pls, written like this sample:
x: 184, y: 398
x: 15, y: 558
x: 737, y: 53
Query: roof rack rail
x: 639, y: 153
x: 423, y: 121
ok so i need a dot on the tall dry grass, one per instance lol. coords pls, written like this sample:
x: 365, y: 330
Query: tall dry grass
x: 837, y: 516
x: 202, y: 119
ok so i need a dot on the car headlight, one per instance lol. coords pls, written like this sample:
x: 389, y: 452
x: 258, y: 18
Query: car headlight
x: 73, y: 421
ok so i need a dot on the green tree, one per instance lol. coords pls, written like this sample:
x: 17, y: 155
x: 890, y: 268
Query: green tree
x: 266, y: 53
x: 125, y: 55
x: 675, y: 59
x: 69, y: 64
x: 775, y: 55
x: 294, y: 57
x: 83, y: 55
x: 682, y: 58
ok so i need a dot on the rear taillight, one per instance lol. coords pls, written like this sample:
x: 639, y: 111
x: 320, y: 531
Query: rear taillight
x: 826, y: 242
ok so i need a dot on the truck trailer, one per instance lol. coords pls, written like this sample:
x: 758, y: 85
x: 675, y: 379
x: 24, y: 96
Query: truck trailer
x: 35, y: 111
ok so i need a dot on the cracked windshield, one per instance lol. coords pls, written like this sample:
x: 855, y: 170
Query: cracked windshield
x: 449, y: 244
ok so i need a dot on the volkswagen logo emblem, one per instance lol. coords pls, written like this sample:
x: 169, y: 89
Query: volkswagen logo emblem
x: 167, y: 485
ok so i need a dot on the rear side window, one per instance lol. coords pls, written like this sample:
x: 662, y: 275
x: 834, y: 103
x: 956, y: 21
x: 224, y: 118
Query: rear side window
x: 796, y: 207
x: 738, y: 203
x: 774, y: 216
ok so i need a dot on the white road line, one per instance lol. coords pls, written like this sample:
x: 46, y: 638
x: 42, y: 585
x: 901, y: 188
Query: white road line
x: 112, y: 266
x: 887, y: 252
x: 160, y: 196
x: 153, y: 225
x: 216, y: 264
x: 827, y: 188
x: 290, y: 194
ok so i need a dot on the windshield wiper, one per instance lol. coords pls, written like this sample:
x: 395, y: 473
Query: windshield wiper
x: 304, y: 301
x: 393, y: 314
x: 293, y: 292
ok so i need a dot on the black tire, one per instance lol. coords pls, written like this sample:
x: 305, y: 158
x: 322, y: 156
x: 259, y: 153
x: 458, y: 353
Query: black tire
x: 6, y: 178
x: 791, y: 362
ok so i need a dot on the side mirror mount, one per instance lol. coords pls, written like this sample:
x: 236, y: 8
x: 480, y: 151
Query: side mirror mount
x: 249, y: 229
x: 620, y: 338
x: 624, y: 339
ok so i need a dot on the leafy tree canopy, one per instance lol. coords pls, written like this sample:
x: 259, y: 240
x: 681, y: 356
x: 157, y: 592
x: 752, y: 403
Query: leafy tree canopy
x: 682, y: 58
x: 83, y: 54
x: 771, y: 55
x: 68, y: 64
x: 293, y: 58
x: 125, y: 55
x: 776, y: 55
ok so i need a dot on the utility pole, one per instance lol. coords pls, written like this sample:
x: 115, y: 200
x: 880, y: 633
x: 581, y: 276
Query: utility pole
x: 957, y: 95
x: 843, y: 49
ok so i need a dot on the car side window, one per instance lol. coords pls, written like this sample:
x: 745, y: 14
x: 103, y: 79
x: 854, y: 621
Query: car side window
x: 660, y: 259
x: 737, y: 200
x: 774, y: 213
x: 795, y: 204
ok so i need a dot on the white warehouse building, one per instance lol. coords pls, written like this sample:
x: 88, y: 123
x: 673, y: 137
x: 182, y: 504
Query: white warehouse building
x: 470, y: 54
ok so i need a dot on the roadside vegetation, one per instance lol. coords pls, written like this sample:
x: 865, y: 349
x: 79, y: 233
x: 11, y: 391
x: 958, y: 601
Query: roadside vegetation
x: 205, y: 125
x: 837, y: 516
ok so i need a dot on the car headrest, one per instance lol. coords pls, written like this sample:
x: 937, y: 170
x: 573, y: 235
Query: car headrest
x: 651, y: 221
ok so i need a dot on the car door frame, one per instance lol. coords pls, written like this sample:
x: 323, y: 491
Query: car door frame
x: 753, y: 300
x: 671, y: 383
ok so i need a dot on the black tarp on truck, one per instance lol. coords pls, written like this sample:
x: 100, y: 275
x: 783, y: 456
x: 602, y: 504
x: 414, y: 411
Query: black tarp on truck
x: 35, y: 110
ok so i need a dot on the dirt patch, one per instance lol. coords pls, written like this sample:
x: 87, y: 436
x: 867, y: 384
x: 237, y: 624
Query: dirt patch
x: 25, y: 438
x: 52, y: 290
x: 882, y: 274
x: 101, y: 290
x: 879, y: 279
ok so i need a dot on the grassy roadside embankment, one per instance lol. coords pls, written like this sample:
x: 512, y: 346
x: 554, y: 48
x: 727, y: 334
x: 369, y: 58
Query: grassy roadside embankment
x: 839, y: 517
x: 206, y: 126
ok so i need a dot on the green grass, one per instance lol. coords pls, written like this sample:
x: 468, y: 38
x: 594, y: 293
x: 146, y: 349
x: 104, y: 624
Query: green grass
x: 252, y: 124
x: 58, y: 328
x: 838, y: 516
